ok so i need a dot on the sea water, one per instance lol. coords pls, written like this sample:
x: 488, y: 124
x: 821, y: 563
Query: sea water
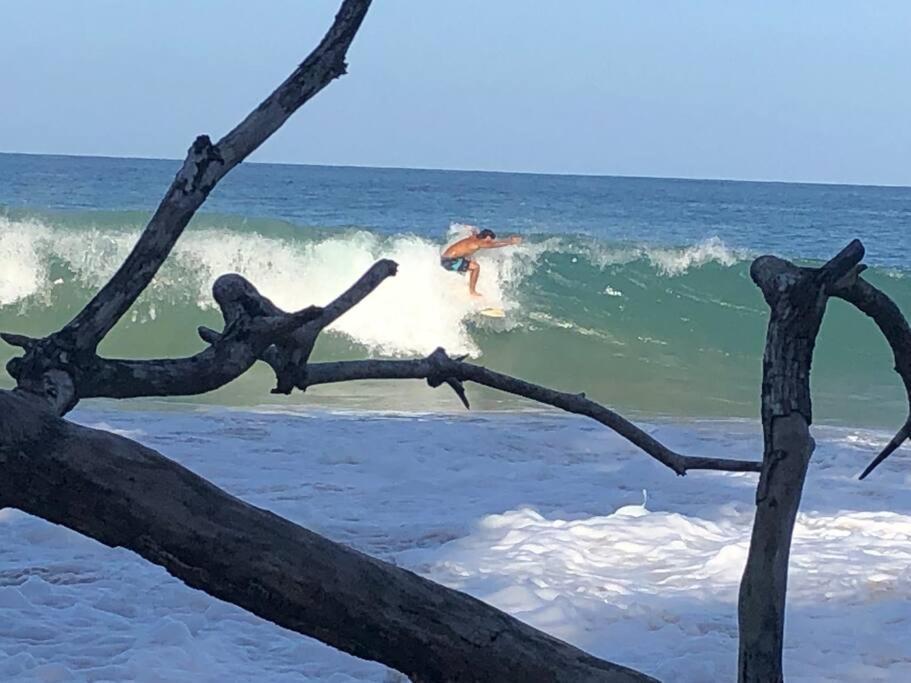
x: 633, y: 290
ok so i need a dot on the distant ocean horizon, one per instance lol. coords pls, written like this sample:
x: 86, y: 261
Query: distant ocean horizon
x: 635, y: 290
x: 390, y: 167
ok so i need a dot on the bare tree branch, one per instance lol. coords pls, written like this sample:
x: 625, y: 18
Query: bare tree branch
x: 257, y: 329
x: 254, y: 328
x: 894, y: 327
x: 289, y: 360
x: 206, y: 164
x: 797, y: 302
x: 843, y: 263
x: 252, y: 558
x: 252, y: 323
x: 438, y: 368
x: 49, y: 369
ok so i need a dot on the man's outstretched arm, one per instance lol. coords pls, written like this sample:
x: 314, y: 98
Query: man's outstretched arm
x: 493, y: 244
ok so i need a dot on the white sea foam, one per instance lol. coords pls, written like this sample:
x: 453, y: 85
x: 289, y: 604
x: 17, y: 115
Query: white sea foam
x: 419, y: 309
x: 540, y: 515
x: 413, y: 313
x: 679, y: 261
x: 24, y: 271
x: 667, y: 261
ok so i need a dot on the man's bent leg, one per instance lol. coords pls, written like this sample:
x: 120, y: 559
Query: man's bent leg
x: 473, y: 274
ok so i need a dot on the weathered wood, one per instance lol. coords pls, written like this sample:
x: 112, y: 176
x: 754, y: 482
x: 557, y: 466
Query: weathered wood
x: 56, y: 357
x: 289, y: 359
x: 126, y: 495
x: 205, y: 165
x: 247, y: 338
x: 438, y: 367
x: 252, y: 323
x: 227, y: 359
x: 797, y: 301
x: 254, y: 328
x: 888, y: 317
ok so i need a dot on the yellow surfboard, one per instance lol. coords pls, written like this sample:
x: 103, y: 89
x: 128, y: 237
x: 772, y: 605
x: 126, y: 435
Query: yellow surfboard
x: 493, y: 312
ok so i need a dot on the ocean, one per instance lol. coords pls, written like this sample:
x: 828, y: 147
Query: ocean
x: 633, y: 290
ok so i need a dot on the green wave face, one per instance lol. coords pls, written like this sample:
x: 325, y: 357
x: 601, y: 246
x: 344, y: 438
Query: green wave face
x: 657, y: 331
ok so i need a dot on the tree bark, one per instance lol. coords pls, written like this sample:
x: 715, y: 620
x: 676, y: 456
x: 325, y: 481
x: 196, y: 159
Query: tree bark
x: 894, y: 327
x: 438, y: 368
x: 44, y: 368
x: 205, y: 165
x: 797, y: 301
x: 123, y: 494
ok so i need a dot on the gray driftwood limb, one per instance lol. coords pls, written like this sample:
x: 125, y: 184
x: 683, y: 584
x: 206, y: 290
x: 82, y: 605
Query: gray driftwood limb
x: 439, y: 368
x: 254, y: 329
x: 232, y: 352
x: 797, y: 301
x: 205, y: 165
x: 126, y: 495
x: 289, y: 360
x: 894, y: 326
x: 252, y: 324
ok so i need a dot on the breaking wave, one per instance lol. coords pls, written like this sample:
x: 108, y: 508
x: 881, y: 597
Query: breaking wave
x: 655, y: 328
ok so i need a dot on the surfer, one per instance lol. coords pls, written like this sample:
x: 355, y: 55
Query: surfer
x: 457, y: 256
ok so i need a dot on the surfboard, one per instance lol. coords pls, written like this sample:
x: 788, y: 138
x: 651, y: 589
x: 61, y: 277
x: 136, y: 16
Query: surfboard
x: 493, y: 312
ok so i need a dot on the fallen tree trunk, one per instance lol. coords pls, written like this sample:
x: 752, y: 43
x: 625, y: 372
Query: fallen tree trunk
x: 125, y: 495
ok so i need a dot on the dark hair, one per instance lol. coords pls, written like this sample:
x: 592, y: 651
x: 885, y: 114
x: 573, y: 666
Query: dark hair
x: 486, y: 234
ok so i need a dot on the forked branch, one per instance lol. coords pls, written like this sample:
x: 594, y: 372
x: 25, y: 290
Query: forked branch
x: 206, y: 164
x: 247, y: 338
x: 289, y: 360
x: 252, y: 324
x: 894, y: 326
x: 59, y: 369
x: 797, y: 299
x: 254, y: 328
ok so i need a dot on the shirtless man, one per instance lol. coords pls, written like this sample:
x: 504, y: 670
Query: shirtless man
x: 457, y: 256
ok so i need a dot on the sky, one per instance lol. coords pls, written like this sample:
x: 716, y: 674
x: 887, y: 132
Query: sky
x: 780, y: 90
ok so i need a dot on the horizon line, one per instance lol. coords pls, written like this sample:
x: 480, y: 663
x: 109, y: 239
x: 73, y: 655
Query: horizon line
x: 568, y: 174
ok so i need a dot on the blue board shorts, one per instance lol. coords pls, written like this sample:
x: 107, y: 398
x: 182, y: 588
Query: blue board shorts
x: 456, y: 265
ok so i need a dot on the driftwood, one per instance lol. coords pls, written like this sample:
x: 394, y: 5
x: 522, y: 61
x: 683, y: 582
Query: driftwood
x: 124, y: 494
x: 205, y: 165
x: 797, y: 299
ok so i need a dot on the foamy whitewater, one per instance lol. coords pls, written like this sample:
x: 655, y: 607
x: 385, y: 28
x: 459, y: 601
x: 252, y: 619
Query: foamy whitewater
x: 538, y: 514
x: 635, y: 291
x: 675, y: 330
x: 430, y: 305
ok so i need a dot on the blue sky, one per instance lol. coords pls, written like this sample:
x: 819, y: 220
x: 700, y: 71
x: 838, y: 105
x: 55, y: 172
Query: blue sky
x: 813, y: 91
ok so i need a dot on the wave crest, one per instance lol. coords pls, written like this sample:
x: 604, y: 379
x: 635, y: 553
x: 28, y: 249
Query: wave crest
x: 421, y: 308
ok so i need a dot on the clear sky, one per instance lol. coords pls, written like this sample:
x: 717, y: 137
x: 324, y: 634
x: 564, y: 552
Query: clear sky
x: 775, y: 90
